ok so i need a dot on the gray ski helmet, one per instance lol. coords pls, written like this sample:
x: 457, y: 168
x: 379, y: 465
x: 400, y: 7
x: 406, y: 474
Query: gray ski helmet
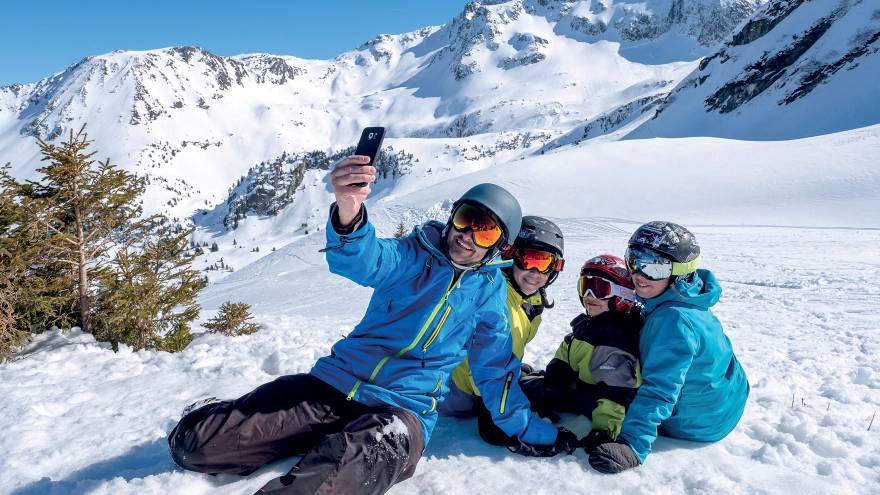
x: 541, y: 233
x: 500, y: 202
x: 667, y: 238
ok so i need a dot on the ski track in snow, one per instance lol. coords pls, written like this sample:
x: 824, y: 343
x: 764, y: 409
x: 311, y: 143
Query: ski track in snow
x: 799, y: 306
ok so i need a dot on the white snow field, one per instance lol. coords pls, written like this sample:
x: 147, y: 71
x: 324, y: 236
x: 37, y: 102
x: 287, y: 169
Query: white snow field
x: 800, y: 306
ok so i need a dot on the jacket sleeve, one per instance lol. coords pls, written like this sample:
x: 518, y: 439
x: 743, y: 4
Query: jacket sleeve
x: 667, y: 346
x: 360, y: 256
x: 496, y: 373
x: 560, y: 375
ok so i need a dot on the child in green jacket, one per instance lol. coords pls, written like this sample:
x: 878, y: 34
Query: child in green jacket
x: 596, y: 369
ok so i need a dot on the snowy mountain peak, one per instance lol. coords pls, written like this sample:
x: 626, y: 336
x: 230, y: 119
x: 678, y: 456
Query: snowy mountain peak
x: 796, y: 68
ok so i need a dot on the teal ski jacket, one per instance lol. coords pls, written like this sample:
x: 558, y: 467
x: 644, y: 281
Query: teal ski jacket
x: 693, y: 387
x: 423, y: 319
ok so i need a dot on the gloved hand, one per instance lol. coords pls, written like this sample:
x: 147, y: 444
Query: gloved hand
x: 613, y: 458
x: 526, y: 369
x: 594, y: 439
x: 566, y: 442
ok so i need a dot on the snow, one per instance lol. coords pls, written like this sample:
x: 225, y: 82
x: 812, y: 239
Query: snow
x: 799, y: 306
x: 395, y: 427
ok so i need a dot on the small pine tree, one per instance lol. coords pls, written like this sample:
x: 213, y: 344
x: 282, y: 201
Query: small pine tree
x: 232, y: 320
x: 82, y: 206
x: 214, y: 247
x: 148, y: 299
x: 401, y: 231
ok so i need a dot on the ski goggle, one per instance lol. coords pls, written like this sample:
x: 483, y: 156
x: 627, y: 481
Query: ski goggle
x: 654, y: 266
x: 542, y: 261
x: 603, y: 289
x: 486, y: 231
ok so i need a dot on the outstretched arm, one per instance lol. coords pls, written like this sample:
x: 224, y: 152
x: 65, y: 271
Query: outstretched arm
x: 496, y: 372
x: 353, y: 250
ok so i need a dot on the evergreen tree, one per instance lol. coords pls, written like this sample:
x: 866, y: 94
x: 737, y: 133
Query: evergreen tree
x: 81, y: 205
x: 13, y: 262
x: 402, y: 230
x: 214, y: 247
x: 148, y: 298
x: 39, y: 295
x: 232, y: 320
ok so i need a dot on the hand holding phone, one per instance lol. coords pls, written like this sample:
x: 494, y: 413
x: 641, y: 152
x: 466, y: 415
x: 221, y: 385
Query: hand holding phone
x: 369, y: 145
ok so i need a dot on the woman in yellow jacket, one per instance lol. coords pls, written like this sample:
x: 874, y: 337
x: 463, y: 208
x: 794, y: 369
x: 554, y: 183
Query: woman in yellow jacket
x: 537, y: 260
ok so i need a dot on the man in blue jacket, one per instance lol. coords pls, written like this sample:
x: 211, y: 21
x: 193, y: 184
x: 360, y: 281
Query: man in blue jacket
x: 363, y: 415
x: 693, y: 387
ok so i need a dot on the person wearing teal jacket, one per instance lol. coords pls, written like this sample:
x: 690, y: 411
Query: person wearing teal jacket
x: 693, y: 387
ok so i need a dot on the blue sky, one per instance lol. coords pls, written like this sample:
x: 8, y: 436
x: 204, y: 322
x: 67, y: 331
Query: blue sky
x: 39, y: 38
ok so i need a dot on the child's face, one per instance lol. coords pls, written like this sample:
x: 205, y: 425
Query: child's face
x: 647, y: 288
x: 529, y: 281
x: 595, y: 306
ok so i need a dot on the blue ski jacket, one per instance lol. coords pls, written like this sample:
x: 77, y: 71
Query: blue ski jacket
x: 693, y: 387
x: 423, y: 319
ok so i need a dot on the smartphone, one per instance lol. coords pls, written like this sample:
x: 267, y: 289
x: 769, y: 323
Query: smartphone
x: 369, y: 145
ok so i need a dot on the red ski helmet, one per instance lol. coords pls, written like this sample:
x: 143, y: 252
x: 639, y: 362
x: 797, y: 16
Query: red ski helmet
x: 613, y: 269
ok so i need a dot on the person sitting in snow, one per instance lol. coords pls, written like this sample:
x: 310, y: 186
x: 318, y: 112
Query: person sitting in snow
x: 595, y: 371
x: 537, y: 260
x: 362, y: 416
x: 693, y: 387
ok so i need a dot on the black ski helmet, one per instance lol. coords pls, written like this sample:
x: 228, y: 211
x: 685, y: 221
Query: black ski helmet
x: 670, y: 240
x: 501, y: 203
x: 540, y: 233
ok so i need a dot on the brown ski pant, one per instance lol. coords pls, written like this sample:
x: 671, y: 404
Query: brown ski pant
x: 347, y: 447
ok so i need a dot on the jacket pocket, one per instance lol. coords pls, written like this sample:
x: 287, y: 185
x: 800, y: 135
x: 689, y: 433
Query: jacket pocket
x: 504, y: 392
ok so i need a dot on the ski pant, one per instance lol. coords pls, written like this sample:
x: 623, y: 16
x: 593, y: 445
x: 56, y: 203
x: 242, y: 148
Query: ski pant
x: 347, y: 447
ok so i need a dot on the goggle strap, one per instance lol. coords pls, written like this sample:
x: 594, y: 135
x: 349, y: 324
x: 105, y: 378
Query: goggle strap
x: 685, y: 268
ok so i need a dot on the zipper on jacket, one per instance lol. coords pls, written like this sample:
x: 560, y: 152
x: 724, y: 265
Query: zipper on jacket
x: 432, y: 408
x: 436, y: 331
x: 415, y: 342
x: 504, y: 392
x: 439, y: 384
x: 350, y: 395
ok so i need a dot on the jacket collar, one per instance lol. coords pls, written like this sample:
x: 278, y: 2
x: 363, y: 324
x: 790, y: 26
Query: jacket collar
x: 702, y: 291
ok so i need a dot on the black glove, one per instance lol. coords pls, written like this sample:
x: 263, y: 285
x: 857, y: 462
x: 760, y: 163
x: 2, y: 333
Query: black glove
x: 614, y: 457
x: 566, y: 442
x: 526, y: 369
x: 594, y: 439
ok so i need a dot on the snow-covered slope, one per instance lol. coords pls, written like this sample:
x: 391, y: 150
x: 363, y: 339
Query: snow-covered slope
x: 78, y: 418
x: 797, y: 68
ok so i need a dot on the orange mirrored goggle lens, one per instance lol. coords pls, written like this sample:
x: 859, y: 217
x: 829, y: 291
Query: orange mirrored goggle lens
x: 543, y: 261
x: 485, y: 230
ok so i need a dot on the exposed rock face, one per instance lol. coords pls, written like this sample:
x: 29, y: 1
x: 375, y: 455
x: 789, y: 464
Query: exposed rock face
x: 271, y: 185
x: 796, y: 68
x: 707, y: 21
x: 761, y: 74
